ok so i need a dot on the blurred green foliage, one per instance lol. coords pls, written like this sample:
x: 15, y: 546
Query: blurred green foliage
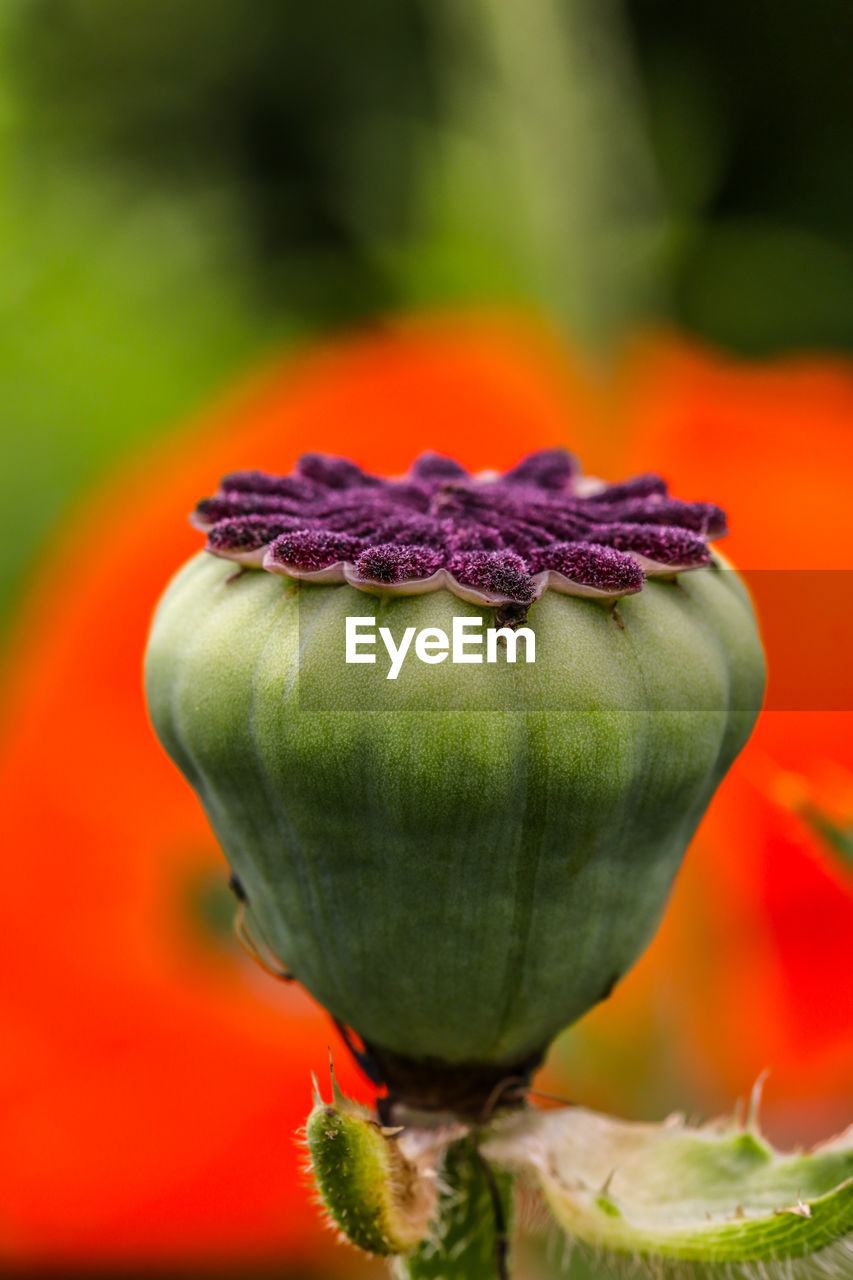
x: 186, y: 185
x: 121, y: 308
x: 297, y: 117
x: 751, y: 117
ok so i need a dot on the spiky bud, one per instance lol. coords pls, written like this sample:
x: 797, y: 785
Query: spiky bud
x: 381, y: 1199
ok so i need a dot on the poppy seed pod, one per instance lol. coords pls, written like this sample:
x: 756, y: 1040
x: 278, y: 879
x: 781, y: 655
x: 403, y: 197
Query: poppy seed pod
x: 454, y: 734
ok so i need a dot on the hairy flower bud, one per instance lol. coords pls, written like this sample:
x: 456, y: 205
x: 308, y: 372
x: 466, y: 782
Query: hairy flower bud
x: 462, y: 859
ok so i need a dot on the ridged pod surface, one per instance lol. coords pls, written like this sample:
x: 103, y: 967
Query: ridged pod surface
x: 460, y: 862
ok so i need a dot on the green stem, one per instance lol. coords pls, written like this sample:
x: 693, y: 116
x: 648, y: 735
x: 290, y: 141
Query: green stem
x: 474, y: 1222
x: 548, y: 96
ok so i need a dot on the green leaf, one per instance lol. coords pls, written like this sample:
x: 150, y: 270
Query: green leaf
x: 672, y: 1194
x: 838, y: 838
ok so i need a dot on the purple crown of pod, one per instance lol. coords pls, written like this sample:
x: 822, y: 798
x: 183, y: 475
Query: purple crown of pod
x: 493, y: 539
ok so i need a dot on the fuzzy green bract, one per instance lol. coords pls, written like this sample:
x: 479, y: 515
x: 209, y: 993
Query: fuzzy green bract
x: 715, y: 1201
x: 424, y: 1196
x: 460, y: 862
x: 718, y: 1197
x: 373, y: 1192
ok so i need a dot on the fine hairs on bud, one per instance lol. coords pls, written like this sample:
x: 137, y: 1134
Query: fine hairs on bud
x: 380, y: 1200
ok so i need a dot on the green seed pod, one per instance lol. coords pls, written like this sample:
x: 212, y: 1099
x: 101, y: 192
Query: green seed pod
x: 456, y: 857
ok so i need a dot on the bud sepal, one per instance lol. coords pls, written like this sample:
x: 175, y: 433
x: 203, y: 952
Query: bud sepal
x: 671, y: 1194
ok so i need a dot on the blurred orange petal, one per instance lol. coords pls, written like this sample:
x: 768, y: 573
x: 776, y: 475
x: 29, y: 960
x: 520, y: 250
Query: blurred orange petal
x: 761, y: 929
